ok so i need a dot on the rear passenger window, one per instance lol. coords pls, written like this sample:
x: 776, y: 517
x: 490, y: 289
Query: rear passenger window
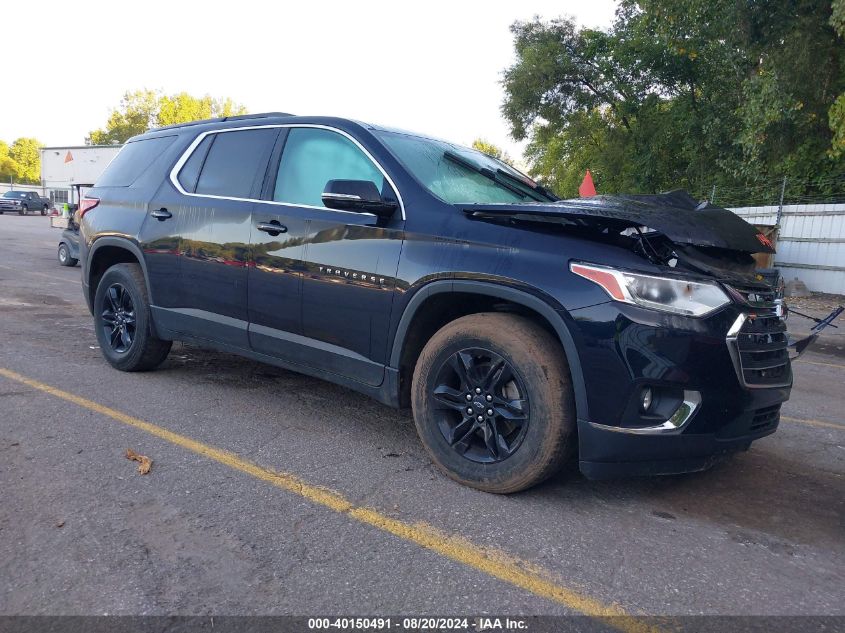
x: 133, y: 160
x: 236, y: 162
x: 191, y: 170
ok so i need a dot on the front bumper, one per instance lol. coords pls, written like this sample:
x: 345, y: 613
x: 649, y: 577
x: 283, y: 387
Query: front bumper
x: 608, y: 454
x: 623, y: 349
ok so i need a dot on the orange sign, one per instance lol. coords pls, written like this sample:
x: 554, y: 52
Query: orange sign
x: 69, y: 157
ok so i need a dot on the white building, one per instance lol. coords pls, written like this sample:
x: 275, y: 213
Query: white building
x: 63, y: 167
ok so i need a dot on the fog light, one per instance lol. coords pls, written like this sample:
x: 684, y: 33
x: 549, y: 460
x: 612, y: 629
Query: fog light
x: 646, y: 399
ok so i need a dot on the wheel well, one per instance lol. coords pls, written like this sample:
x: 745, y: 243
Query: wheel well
x: 443, y: 308
x: 104, y: 258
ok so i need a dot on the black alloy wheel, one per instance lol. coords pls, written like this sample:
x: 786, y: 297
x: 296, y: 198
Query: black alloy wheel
x: 481, y: 405
x: 123, y: 321
x: 493, y: 401
x: 118, y: 318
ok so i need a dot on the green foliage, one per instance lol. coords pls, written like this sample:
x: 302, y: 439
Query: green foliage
x: 491, y: 150
x: 8, y: 167
x: 24, y: 151
x: 837, y: 16
x: 21, y: 162
x: 142, y: 110
x: 680, y: 93
x: 837, y: 125
x: 836, y: 116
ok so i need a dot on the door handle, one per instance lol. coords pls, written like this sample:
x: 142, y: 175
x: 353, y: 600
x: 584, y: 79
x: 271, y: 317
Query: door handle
x: 161, y: 214
x: 273, y: 227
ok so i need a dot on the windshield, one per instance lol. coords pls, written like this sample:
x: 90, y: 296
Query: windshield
x: 15, y: 194
x: 460, y: 175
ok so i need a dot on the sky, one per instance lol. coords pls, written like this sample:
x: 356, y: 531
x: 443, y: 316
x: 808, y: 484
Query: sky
x: 430, y: 66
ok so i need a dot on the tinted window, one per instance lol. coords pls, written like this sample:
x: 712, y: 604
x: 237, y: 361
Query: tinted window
x: 132, y: 161
x: 235, y: 162
x: 191, y: 169
x: 312, y: 157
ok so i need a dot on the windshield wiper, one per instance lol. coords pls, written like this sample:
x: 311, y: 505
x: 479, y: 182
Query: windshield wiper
x: 533, y: 186
x: 488, y: 173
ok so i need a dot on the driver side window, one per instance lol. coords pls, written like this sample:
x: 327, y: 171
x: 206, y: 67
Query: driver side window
x: 311, y: 158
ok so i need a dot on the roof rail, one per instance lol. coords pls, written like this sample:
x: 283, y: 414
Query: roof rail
x: 237, y: 117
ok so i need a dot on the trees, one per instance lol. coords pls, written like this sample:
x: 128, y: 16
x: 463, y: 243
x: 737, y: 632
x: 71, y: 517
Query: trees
x: 21, y: 162
x: 836, y: 117
x: 142, y: 110
x: 491, y: 150
x: 24, y: 151
x: 680, y: 93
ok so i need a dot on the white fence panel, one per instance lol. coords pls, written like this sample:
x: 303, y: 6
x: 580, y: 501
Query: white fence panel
x: 811, y: 245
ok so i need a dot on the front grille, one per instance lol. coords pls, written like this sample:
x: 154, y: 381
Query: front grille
x: 759, y: 351
x: 764, y: 419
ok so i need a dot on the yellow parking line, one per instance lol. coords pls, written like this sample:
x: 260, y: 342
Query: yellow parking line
x: 492, y: 562
x: 813, y: 362
x: 820, y: 423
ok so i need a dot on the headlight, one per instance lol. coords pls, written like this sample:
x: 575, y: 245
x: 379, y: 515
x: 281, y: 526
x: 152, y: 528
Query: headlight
x: 679, y: 296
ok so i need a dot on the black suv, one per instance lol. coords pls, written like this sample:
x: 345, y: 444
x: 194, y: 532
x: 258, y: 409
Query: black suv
x: 521, y: 328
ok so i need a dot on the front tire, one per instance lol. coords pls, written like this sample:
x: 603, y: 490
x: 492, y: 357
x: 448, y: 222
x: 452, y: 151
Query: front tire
x: 24, y: 210
x: 123, y: 323
x: 493, y: 403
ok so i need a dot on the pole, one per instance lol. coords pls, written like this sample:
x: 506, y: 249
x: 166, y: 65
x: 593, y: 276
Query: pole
x: 780, y: 204
x: 713, y: 195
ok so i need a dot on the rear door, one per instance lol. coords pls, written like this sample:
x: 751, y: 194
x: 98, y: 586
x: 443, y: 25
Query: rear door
x: 210, y: 209
x: 275, y: 278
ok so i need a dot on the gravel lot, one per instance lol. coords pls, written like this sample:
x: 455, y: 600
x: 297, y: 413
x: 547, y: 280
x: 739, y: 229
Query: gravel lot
x: 82, y: 532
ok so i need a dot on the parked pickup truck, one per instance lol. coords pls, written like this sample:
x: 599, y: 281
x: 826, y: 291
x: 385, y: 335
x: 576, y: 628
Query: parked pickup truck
x: 23, y: 202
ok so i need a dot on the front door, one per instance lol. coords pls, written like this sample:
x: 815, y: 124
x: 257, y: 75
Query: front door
x: 347, y: 262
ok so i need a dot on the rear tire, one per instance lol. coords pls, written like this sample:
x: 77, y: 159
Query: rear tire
x: 44, y: 209
x: 123, y: 323
x: 64, y: 256
x: 523, y: 378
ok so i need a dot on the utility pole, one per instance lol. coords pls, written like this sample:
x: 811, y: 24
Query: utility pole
x: 780, y: 205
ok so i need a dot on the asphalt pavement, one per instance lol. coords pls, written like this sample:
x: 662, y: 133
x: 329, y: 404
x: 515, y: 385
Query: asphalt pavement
x: 275, y: 493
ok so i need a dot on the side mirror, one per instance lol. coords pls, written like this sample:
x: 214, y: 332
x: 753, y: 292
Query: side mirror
x: 360, y: 196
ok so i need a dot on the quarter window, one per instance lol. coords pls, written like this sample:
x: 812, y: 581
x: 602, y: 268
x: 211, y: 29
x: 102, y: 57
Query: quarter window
x: 314, y: 156
x: 133, y: 160
x: 235, y: 163
x: 190, y: 172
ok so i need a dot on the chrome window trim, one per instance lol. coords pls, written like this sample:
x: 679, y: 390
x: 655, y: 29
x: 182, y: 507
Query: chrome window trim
x: 174, y: 173
x: 674, y: 425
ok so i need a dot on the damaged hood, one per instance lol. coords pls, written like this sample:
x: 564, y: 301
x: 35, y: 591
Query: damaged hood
x: 677, y: 215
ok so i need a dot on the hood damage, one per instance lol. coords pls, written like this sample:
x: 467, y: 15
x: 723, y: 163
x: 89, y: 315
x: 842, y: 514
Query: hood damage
x: 672, y: 230
x: 666, y: 229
